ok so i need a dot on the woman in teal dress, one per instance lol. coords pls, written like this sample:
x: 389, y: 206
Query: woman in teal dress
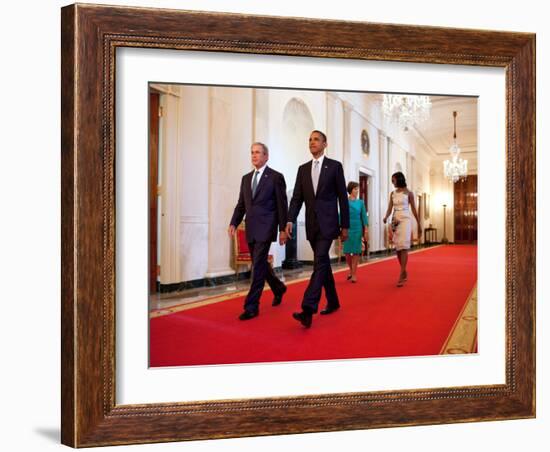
x: 358, y: 230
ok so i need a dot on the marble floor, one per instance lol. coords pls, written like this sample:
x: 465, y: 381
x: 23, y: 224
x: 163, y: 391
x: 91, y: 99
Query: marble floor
x: 160, y: 301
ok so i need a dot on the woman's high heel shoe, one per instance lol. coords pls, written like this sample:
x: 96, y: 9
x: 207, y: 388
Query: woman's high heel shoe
x: 402, y: 279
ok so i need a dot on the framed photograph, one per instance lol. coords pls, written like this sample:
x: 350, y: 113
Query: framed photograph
x: 122, y: 67
x: 198, y: 297
x: 426, y: 200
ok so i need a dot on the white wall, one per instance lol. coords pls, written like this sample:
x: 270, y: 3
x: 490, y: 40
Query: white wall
x: 194, y: 189
x: 206, y: 135
x: 34, y: 370
x: 442, y: 190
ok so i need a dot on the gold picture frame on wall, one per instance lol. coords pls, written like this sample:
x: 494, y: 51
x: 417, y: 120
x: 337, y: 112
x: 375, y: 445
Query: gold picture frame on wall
x: 426, y: 200
x: 90, y: 38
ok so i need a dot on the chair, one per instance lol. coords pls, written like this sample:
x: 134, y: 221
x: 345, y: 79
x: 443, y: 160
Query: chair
x: 241, y: 252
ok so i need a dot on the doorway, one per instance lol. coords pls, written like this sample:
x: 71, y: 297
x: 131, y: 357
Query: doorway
x: 364, y: 183
x: 154, y: 120
x: 465, y: 210
x: 364, y: 189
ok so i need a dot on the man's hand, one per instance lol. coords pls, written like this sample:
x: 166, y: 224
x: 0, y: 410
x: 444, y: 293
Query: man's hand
x: 419, y: 232
x: 288, y: 230
x: 344, y: 234
x: 385, y: 219
x: 231, y: 230
x: 282, y: 237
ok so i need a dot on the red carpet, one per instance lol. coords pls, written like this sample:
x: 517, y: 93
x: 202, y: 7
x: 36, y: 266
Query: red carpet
x: 376, y: 319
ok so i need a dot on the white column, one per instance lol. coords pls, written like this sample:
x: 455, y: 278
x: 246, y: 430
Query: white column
x: 411, y: 182
x: 335, y: 126
x: 336, y: 136
x: 346, y: 157
x: 194, y: 182
x: 383, y: 183
x: 261, y: 116
x: 383, y: 146
x: 231, y: 121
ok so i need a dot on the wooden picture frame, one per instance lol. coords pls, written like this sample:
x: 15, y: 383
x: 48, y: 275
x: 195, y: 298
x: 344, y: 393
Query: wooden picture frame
x: 426, y: 199
x: 90, y: 36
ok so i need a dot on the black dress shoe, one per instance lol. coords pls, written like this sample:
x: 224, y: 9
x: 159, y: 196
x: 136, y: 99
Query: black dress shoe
x: 278, y: 298
x: 247, y: 315
x: 304, y: 318
x: 328, y: 311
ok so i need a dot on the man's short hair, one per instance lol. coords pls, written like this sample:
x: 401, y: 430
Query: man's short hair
x: 320, y: 133
x: 266, y: 150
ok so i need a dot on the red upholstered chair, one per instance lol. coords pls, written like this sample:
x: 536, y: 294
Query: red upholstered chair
x: 241, y: 255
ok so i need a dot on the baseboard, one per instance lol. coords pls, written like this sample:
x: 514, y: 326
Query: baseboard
x: 203, y: 282
x: 227, y: 279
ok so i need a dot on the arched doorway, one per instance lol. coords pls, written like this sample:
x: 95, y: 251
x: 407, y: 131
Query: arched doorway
x: 297, y: 126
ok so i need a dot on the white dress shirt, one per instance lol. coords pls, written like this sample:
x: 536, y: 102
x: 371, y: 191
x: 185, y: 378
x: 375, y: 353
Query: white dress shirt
x: 320, y: 160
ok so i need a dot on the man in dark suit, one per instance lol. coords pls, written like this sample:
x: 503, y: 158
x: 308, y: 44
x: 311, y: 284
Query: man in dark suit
x: 321, y: 185
x: 262, y: 198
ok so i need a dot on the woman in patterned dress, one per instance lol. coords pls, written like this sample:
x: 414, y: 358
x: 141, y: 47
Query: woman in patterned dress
x: 358, y: 230
x: 400, y: 200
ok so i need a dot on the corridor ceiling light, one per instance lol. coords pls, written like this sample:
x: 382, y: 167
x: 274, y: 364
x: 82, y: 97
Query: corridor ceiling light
x: 455, y: 168
x: 406, y: 110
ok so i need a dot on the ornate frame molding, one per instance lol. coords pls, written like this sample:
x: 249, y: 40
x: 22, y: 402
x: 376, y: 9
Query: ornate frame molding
x: 90, y: 36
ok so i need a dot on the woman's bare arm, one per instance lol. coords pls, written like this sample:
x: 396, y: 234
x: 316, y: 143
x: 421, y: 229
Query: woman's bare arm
x: 414, y: 211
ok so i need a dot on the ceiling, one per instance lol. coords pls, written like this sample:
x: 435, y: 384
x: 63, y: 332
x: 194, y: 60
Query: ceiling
x: 436, y: 133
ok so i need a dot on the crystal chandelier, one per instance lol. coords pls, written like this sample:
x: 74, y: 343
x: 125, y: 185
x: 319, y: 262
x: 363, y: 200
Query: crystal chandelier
x: 455, y: 168
x: 406, y: 110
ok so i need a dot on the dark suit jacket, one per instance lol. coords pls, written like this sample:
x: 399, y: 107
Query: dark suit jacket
x: 266, y: 210
x: 321, y: 208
